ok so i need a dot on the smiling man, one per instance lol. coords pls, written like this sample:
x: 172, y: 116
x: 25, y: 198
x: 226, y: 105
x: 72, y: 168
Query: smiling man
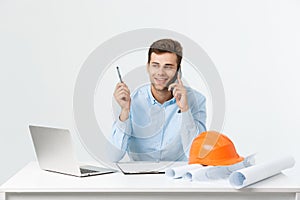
x: 159, y: 121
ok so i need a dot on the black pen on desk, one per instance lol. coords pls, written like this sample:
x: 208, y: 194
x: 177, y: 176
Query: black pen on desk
x: 120, y: 77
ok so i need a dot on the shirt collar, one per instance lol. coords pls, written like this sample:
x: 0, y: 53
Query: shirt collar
x: 153, y: 101
x: 151, y: 97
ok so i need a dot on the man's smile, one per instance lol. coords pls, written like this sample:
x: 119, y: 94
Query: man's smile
x: 161, y: 80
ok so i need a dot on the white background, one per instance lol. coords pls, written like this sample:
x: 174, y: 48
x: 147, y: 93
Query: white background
x: 255, y: 46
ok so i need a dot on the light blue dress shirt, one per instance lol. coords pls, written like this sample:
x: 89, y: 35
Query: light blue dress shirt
x: 159, y: 132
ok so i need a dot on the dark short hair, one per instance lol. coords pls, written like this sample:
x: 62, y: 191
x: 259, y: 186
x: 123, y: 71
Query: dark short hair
x: 166, y: 45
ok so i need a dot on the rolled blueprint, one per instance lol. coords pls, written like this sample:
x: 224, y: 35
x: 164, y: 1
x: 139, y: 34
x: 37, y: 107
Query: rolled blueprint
x: 258, y: 172
x: 177, y: 172
x: 221, y: 172
x: 197, y: 174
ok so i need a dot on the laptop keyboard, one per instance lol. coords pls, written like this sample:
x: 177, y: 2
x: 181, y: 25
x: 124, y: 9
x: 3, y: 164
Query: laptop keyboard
x: 85, y: 171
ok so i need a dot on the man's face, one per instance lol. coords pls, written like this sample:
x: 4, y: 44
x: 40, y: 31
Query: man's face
x: 162, y: 68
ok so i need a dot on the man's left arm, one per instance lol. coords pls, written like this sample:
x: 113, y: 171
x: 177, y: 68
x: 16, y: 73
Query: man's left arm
x: 193, y: 110
x: 193, y: 121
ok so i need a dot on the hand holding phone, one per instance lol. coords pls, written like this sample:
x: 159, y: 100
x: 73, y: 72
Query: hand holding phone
x: 179, y: 92
x: 174, y: 79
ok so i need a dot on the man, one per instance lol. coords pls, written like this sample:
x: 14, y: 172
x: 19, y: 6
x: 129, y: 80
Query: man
x: 159, y: 121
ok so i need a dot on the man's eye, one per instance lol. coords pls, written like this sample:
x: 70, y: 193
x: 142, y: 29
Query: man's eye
x: 154, y: 65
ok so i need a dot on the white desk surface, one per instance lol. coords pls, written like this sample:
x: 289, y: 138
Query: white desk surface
x: 32, y: 179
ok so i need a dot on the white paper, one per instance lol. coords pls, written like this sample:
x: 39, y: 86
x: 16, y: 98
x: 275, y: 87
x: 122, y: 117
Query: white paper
x: 136, y: 167
x: 177, y: 172
x: 244, y: 177
x: 222, y: 172
x: 197, y: 174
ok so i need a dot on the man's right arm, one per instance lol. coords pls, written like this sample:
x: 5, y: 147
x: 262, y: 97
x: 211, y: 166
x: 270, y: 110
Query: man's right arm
x: 121, y: 129
x: 121, y: 132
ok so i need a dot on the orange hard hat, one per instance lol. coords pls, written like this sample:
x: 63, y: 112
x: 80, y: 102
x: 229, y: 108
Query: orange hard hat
x: 213, y: 148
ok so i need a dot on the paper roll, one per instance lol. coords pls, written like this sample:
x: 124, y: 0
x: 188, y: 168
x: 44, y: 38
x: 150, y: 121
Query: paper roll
x: 222, y: 172
x: 197, y: 174
x: 244, y: 177
x: 177, y: 172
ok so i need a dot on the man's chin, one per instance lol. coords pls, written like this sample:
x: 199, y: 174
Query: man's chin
x: 160, y: 88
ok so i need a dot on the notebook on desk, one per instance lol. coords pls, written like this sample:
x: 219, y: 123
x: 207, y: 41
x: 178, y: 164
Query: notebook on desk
x: 146, y: 167
x: 54, y: 152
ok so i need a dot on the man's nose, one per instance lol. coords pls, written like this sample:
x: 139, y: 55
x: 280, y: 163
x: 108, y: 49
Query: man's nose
x: 161, y: 70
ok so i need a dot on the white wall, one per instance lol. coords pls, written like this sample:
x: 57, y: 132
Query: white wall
x: 255, y: 46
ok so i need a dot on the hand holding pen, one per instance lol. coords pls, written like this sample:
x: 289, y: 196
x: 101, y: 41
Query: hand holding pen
x: 122, y: 96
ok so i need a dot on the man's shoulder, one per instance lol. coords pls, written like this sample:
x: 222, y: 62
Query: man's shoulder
x: 141, y: 90
x: 194, y: 93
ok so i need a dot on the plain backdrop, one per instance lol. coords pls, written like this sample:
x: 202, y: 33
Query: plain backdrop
x: 255, y: 46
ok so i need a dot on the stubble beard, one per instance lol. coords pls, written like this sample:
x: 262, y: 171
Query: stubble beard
x: 164, y: 89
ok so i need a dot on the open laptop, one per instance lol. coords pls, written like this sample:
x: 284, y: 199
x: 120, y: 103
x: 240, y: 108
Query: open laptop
x: 54, y: 152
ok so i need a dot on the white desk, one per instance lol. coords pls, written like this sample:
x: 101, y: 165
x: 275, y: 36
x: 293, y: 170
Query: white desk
x: 33, y: 183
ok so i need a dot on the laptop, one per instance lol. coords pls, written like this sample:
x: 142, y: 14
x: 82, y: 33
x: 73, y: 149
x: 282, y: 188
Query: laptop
x: 54, y: 152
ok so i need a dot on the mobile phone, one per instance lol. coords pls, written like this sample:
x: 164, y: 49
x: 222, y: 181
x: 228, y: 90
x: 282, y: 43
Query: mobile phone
x: 174, y: 79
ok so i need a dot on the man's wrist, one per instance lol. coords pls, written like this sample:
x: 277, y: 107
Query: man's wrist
x: 124, y: 115
x: 184, y: 109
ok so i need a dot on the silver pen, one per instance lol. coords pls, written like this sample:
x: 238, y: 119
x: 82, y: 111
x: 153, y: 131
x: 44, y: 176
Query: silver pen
x: 120, y: 77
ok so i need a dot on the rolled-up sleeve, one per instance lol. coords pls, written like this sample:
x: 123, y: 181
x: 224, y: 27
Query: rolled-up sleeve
x: 121, y: 132
x: 193, y: 121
